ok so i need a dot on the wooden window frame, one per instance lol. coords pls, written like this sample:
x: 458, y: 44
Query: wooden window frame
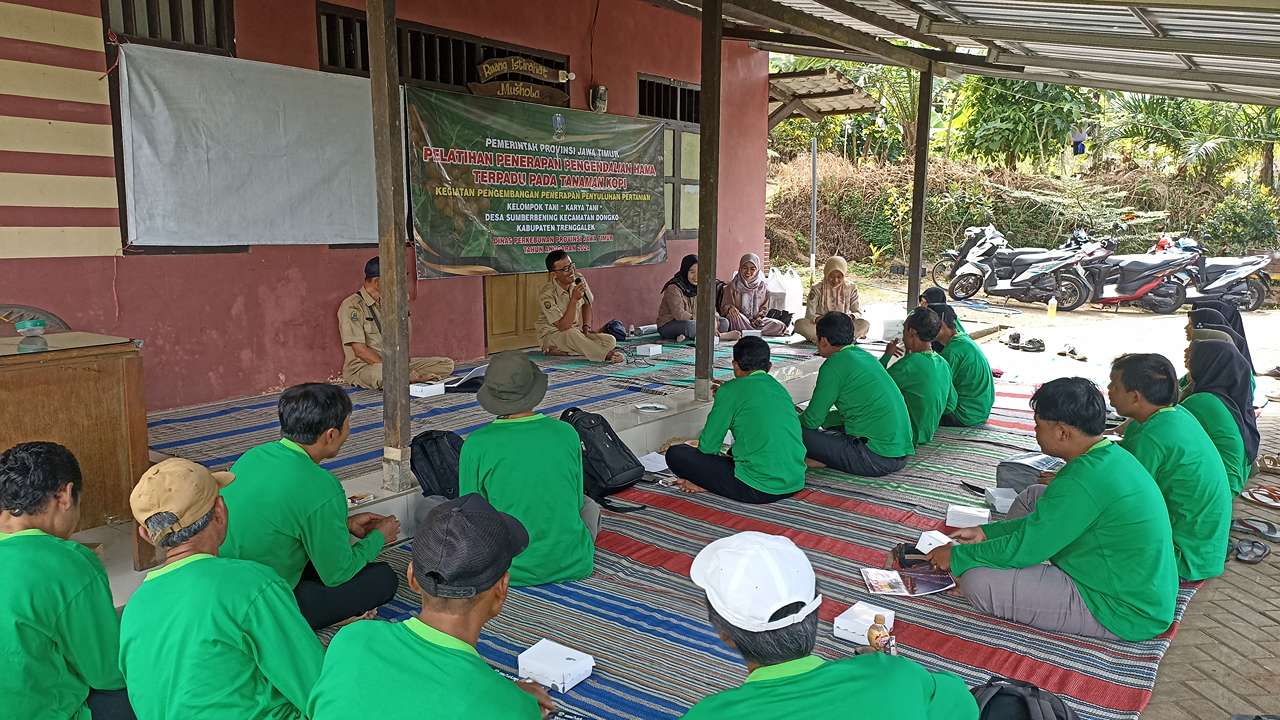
x: 228, y: 31
x: 674, y: 179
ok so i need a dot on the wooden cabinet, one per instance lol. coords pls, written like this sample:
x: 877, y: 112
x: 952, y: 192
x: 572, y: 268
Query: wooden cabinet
x: 510, y: 310
x: 83, y: 391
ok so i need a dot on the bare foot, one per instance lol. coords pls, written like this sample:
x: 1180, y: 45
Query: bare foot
x: 730, y: 335
x: 689, y: 487
x: 357, y: 618
x: 554, y: 352
x: 614, y: 357
x: 680, y: 338
x: 810, y: 462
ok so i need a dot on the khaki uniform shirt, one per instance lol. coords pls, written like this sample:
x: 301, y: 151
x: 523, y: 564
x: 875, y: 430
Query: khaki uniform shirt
x: 552, y: 301
x: 359, y: 321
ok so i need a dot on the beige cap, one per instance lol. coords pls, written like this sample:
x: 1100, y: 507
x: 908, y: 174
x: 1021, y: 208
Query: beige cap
x: 177, y: 486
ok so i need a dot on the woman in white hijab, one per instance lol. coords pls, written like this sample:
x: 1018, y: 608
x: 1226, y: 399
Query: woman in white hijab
x: 746, y: 299
x: 832, y: 293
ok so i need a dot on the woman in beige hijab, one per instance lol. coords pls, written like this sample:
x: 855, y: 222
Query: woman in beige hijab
x: 832, y: 293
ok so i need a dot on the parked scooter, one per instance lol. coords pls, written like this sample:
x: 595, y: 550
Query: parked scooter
x: 1143, y: 280
x: 944, y: 271
x: 1025, y: 274
x: 1243, y: 281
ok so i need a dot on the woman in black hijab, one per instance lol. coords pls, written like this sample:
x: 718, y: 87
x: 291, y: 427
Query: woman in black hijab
x: 1228, y: 311
x: 1214, y: 320
x: 1218, y: 369
x: 678, y: 307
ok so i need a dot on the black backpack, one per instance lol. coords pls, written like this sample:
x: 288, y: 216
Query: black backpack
x: 433, y: 457
x: 1003, y: 699
x: 608, y: 466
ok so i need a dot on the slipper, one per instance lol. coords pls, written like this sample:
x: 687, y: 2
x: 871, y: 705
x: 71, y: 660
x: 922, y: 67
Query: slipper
x: 1252, y: 552
x: 1265, y: 495
x: 1268, y: 464
x: 1273, y: 372
x: 1264, y: 529
x: 1070, y: 351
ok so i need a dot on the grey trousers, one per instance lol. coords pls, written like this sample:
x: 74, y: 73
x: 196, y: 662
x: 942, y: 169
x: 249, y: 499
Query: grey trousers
x: 590, y: 513
x: 1042, y: 596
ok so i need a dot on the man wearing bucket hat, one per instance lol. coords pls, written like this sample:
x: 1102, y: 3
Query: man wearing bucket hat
x: 762, y: 599
x: 206, y: 636
x: 530, y: 465
x: 461, y: 554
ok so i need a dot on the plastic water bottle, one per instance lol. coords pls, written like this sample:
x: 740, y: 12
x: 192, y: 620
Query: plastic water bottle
x: 1053, y: 308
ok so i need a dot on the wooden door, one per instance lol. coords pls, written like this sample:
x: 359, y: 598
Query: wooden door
x: 510, y: 310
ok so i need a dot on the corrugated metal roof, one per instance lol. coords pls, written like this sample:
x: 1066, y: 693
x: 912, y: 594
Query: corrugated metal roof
x: 824, y: 92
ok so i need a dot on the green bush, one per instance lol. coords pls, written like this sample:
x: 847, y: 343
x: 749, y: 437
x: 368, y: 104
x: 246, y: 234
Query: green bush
x: 1247, y: 219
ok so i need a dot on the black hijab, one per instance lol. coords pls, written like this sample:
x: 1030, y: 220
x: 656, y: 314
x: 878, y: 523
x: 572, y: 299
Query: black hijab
x: 1213, y: 320
x: 681, y: 279
x: 1218, y: 368
x: 1231, y: 318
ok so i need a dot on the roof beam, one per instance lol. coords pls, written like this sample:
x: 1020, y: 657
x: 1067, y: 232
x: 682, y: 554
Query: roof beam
x: 848, y: 9
x: 1123, y: 86
x: 799, y: 21
x: 1121, y: 41
x: 787, y: 109
x: 798, y: 45
x: 1232, y: 5
x: 1155, y: 72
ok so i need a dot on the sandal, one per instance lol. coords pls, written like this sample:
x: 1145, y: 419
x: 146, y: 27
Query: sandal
x: 1251, y: 552
x: 1267, y: 496
x: 1070, y: 352
x: 1264, y: 529
x: 1268, y: 464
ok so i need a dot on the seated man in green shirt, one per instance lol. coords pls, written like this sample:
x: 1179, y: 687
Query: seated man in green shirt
x: 763, y: 601
x: 290, y: 514
x: 970, y: 373
x: 59, y: 637
x: 205, y: 636
x: 1100, y: 523
x: 530, y: 465
x: 869, y: 432
x: 1170, y: 443
x: 921, y: 374
x: 768, y: 454
x: 427, y: 666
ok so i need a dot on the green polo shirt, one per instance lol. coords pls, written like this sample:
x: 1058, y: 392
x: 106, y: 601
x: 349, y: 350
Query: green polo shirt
x: 414, y: 671
x: 209, y: 637
x: 874, y: 686
x: 924, y: 379
x: 768, y: 453
x: 867, y: 403
x: 1213, y: 415
x: 59, y: 633
x: 531, y: 467
x: 971, y: 375
x: 1178, y: 453
x: 284, y: 511
x: 1103, y: 521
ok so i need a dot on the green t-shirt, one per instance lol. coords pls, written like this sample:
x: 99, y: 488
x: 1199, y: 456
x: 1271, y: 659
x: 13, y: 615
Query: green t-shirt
x: 971, y: 375
x: 1186, y: 466
x: 924, y: 379
x: 867, y: 403
x: 531, y: 467
x: 1103, y: 522
x: 208, y: 637
x: 415, y: 672
x: 768, y: 453
x: 874, y: 686
x: 1222, y: 429
x: 284, y: 510
x: 60, y: 632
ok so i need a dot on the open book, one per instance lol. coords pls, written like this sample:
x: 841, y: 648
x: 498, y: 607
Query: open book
x: 455, y: 380
x: 912, y: 583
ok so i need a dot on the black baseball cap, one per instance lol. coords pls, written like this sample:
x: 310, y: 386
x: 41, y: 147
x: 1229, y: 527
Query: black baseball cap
x: 464, y: 546
x: 372, y: 268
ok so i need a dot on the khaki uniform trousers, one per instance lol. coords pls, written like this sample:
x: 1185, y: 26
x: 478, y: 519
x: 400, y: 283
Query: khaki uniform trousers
x: 370, y: 376
x: 593, y: 346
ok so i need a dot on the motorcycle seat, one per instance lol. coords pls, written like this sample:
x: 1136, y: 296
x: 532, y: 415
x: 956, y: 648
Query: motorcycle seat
x: 1029, y: 259
x: 1016, y: 252
x: 1222, y: 264
x: 1146, y: 263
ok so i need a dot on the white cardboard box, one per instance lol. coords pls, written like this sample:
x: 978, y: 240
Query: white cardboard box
x: 752, y: 333
x: 852, y: 624
x: 554, y: 665
x: 1001, y: 499
x: 963, y: 516
x: 648, y: 350
x: 426, y: 390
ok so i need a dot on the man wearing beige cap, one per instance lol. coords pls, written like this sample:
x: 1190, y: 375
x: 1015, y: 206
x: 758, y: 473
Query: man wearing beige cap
x: 762, y: 598
x: 205, y: 636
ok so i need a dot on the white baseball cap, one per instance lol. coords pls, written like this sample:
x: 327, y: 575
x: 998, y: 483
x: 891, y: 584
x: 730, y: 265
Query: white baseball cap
x: 750, y: 576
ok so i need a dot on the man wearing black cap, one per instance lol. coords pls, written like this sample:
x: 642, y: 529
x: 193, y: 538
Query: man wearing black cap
x: 460, y: 559
x: 360, y: 326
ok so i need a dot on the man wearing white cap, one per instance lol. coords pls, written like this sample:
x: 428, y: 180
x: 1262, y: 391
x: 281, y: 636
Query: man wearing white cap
x: 205, y: 636
x: 762, y: 598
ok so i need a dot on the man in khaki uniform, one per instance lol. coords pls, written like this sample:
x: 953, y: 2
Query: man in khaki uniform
x: 360, y: 326
x: 564, y: 318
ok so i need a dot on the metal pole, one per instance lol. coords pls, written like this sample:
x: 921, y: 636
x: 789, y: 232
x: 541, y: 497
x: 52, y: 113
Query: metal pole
x: 924, y: 110
x: 813, y: 203
x: 384, y: 82
x: 708, y: 195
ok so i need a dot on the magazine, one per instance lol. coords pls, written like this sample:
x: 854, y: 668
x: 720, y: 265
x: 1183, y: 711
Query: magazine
x: 911, y: 583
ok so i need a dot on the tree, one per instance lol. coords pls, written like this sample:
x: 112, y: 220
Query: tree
x: 1011, y: 120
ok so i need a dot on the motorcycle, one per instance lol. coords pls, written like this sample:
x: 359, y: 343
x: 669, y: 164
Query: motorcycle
x: 1143, y: 280
x: 1025, y: 274
x: 944, y: 271
x: 1243, y: 281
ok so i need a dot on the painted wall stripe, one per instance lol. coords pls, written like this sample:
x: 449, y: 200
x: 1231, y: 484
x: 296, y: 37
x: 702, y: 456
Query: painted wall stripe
x: 56, y: 55
x: 55, y: 164
x: 92, y: 8
x: 43, y: 242
x: 58, y: 217
x: 54, y: 191
x: 53, y: 83
x: 36, y: 24
x: 53, y: 136
x: 44, y: 109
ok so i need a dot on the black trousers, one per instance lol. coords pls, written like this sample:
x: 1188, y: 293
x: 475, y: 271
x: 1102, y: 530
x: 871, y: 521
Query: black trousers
x: 837, y: 450
x: 323, y: 606
x: 109, y: 705
x: 949, y: 420
x: 714, y: 473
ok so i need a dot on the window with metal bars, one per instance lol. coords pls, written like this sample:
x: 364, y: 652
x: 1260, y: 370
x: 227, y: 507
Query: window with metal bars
x: 203, y: 25
x: 669, y: 100
x: 344, y: 40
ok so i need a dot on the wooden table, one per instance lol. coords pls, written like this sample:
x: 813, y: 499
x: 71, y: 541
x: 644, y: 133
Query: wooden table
x: 83, y: 391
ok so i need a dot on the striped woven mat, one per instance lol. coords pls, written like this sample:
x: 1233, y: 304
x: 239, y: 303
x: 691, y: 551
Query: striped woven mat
x: 674, y: 366
x: 645, y: 623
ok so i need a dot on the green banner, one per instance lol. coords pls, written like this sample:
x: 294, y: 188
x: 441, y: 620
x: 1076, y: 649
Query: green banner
x: 497, y: 184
